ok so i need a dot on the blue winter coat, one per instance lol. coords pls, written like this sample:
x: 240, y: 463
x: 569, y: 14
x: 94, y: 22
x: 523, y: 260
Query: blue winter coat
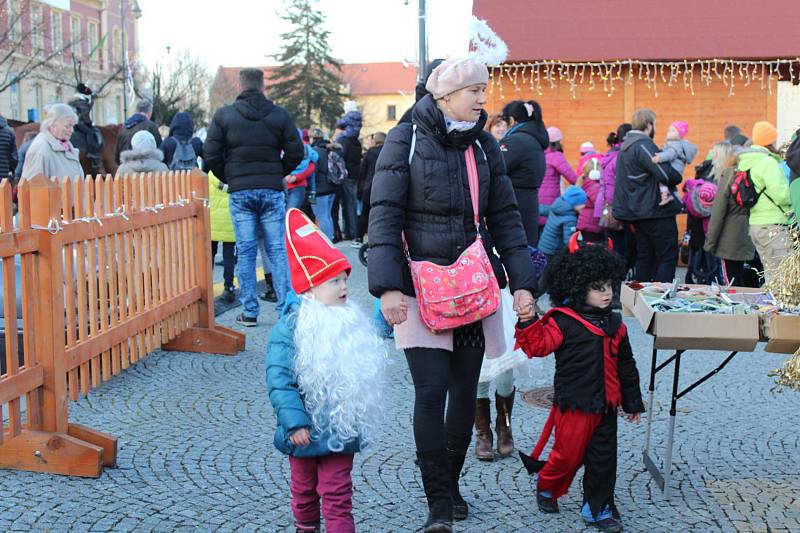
x: 283, y: 393
x: 562, y: 221
x: 180, y: 129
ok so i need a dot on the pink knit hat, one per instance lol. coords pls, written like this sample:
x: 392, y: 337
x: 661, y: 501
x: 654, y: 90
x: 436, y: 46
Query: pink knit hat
x: 682, y: 127
x: 555, y: 134
x: 454, y: 74
x: 586, y: 148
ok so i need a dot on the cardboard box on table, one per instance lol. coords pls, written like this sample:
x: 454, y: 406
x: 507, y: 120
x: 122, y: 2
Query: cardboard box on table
x: 693, y: 331
x: 782, y: 333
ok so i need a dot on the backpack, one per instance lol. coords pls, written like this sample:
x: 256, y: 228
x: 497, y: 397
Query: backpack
x: 337, y: 170
x: 184, y: 157
x: 743, y: 190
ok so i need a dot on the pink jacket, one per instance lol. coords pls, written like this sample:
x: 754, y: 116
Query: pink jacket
x: 556, y: 168
x: 606, y: 195
x: 587, y: 220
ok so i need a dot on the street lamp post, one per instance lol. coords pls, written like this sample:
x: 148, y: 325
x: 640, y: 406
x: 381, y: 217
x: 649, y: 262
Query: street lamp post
x: 423, y: 44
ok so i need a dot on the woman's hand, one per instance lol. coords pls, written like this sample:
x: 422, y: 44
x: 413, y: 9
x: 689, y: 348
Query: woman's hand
x: 300, y: 437
x: 635, y: 417
x: 394, y: 307
x: 524, y: 304
x: 290, y: 179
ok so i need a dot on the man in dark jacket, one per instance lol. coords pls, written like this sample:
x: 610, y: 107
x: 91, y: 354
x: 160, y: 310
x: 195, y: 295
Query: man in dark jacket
x: 365, y: 185
x: 136, y: 122
x: 87, y: 138
x: 8, y: 149
x: 326, y: 191
x: 637, y: 198
x: 252, y: 145
x: 346, y: 134
x: 181, y: 130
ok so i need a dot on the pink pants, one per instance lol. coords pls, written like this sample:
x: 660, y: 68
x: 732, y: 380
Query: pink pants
x: 326, y: 477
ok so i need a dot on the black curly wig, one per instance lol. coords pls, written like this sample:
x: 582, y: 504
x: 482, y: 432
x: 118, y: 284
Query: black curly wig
x: 569, y: 277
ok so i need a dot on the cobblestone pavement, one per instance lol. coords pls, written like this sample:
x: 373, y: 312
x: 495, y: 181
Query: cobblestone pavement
x: 196, y: 454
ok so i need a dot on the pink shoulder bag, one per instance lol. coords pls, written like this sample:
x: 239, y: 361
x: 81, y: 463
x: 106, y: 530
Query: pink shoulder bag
x: 465, y: 292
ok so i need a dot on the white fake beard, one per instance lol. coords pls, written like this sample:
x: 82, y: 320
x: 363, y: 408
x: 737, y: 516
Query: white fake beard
x: 340, y: 364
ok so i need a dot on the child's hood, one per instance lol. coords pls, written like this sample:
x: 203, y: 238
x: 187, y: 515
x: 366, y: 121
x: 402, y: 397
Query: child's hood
x: 561, y: 208
x: 292, y: 303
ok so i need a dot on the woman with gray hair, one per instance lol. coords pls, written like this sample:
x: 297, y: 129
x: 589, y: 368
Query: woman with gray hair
x: 51, y: 153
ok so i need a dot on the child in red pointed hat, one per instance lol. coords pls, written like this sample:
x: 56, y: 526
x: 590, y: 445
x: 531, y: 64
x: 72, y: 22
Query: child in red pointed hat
x: 325, y: 374
x: 595, y: 375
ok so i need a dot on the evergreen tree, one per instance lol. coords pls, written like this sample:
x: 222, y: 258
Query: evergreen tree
x: 307, y: 83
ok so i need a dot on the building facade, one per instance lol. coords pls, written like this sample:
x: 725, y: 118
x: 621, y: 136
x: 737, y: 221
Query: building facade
x: 60, y: 37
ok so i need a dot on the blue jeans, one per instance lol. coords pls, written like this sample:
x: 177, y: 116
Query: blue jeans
x: 504, y: 383
x: 296, y: 198
x: 322, y: 210
x: 251, y: 209
x: 349, y: 207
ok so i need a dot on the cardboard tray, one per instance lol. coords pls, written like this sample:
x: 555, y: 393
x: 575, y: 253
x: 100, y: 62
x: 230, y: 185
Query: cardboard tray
x: 782, y: 333
x: 693, y: 331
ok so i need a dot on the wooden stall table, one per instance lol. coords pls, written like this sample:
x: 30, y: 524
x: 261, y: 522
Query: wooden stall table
x: 681, y: 332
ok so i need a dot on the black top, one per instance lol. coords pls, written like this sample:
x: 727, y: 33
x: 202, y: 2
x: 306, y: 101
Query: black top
x: 429, y: 200
x: 523, y: 151
x: 8, y: 149
x: 245, y: 141
x: 368, y: 172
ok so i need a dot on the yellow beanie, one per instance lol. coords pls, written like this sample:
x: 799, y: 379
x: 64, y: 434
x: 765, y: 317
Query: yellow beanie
x: 764, y: 134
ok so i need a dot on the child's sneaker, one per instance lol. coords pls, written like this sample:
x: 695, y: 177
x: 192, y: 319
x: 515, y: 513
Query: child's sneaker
x: 546, y: 502
x: 607, y: 521
x: 247, y: 321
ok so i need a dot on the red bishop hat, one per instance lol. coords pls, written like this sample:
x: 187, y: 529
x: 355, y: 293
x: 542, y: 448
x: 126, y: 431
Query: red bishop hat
x: 313, y: 259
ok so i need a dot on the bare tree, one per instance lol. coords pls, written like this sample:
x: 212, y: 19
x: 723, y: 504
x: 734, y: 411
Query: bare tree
x: 24, y: 45
x: 179, y: 82
x: 225, y: 88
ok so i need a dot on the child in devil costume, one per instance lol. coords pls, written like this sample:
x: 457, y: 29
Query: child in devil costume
x: 595, y: 375
x: 325, y: 374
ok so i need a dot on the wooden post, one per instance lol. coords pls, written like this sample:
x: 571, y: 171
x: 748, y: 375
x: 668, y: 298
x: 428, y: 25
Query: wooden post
x: 207, y: 335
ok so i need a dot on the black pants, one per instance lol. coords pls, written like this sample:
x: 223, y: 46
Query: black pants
x: 656, y: 249
x: 600, y: 465
x: 228, y: 260
x: 528, y: 202
x: 441, y: 376
x: 363, y: 221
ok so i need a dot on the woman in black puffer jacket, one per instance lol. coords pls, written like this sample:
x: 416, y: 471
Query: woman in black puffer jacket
x: 523, y: 149
x: 428, y: 200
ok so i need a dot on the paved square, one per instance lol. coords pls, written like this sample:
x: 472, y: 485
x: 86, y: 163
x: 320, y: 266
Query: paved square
x: 195, y: 454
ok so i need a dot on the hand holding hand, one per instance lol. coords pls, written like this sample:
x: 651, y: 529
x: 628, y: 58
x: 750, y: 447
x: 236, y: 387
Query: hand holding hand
x: 524, y: 304
x: 394, y: 307
x: 291, y: 179
x: 301, y: 437
x: 656, y: 159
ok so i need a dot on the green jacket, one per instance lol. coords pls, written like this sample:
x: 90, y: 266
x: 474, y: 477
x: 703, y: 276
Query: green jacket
x: 221, y: 222
x: 768, y: 177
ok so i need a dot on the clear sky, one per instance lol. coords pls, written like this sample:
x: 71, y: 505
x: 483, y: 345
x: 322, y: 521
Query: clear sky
x: 243, y: 32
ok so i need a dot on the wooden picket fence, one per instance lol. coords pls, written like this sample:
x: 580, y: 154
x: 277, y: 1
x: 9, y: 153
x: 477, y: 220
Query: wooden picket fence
x: 111, y: 270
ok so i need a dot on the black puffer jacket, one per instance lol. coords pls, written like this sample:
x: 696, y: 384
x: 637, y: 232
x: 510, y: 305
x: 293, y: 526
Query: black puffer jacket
x: 352, y: 154
x: 324, y: 186
x: 368, y: 165
x: 523, y: 151
x: 429, y: 201
x: 8, y: 149
x: 636, y: 193
x: 245, y: 140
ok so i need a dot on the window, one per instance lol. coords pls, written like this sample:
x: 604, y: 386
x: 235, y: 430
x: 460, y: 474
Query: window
x: 116, y: 53
x: 391, y: 112
x: 75, y: 36
x: 13, y: 20
x: 55, y: 30
x: 92, y: 36
x: 36, y: 27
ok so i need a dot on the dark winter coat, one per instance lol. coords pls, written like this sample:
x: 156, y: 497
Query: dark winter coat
x: 352, y: 153
x: 133, y: 124
x: 180, y: 129
x: 429, y: 201
x: 324, y: 186
x: 245, y: 140
x: 89, y: 141
x: 368, y: 173
x: 8, y: 149
x: 22, y: 151
x: 636, y: 192
x: 583, y: 343
x: 562, y: 222
x: 523, y: 150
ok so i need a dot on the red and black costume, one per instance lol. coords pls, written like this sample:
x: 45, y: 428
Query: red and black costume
x: 595, y: 374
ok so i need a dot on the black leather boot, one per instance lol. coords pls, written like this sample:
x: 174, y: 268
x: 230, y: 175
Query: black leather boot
x: 435, y: 479
x: 269, y: 295
x: 456, y: 453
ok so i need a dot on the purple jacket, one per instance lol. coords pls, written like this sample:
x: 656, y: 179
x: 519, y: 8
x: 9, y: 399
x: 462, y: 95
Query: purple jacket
x: 556, y: 168
x: 606, y: 194
x: 587, y: 219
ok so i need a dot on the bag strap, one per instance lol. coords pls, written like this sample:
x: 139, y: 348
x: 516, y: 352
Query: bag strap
x: 410, y: 157
x: 474, y: 188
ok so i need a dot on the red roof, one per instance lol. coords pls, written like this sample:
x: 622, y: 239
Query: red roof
x: 362, y: 78
x: 592, y: 30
